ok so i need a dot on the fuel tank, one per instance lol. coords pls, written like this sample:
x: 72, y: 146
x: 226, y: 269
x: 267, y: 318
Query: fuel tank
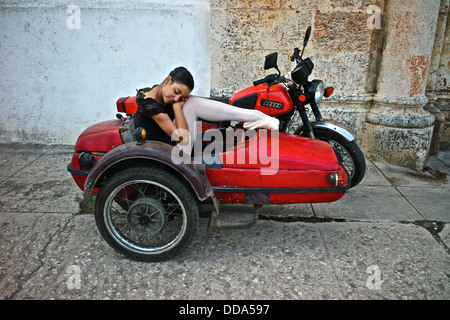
x: 273, y: 101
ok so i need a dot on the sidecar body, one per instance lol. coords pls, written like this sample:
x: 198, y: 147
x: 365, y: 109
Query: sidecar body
x: 148, y: 193
x: 265, y: 167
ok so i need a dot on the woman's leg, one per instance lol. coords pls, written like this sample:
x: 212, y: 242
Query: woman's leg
x: 200, y: 108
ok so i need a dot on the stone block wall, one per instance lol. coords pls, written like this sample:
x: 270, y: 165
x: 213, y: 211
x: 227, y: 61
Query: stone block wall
x: 379, y: 55
x: 438, y: 85
x: 341, y: 46
x: 388, y: 60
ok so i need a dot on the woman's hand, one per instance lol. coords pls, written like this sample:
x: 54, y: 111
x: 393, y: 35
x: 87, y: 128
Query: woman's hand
x: 180, y: 135
x: 178, y: 104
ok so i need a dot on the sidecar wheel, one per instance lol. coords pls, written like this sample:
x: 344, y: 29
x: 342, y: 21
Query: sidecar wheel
x: 146, y: 213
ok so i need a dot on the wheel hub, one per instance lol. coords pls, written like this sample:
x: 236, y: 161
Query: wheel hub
x: 146, y: 216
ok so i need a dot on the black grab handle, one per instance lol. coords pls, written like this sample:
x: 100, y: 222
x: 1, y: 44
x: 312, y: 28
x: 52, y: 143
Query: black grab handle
x: 270, y: 78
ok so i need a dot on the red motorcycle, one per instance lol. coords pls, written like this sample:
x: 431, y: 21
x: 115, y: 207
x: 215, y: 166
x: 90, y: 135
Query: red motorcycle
x: 146, y: 201
x: 280, y: 96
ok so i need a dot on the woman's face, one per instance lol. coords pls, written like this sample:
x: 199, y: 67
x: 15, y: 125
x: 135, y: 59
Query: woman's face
x: 174, y: 91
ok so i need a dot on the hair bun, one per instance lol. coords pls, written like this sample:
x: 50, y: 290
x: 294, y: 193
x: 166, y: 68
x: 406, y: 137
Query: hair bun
x: 181, y: 74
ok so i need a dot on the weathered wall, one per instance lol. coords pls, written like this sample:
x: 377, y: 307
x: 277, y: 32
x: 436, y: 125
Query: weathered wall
x: 439, y: 80
x: 344, y: 50
x: 56, y: 81
x: 397, y: 128
x: 379, y: 72
x: 243, y: 32
x: 438, y: 86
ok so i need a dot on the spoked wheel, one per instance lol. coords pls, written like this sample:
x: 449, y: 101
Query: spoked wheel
x: 146, y: 214
x: 348, y: 154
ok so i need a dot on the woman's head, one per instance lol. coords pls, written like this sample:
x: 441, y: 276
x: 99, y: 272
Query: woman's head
x: 178, y: 85
x: 182, y: 75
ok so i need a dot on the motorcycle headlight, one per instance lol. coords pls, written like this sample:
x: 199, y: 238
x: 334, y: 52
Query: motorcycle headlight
x: 317, y: 89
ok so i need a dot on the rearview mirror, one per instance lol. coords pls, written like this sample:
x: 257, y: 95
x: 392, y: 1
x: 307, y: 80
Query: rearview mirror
x: 307, y: 35
x: 271, y: 61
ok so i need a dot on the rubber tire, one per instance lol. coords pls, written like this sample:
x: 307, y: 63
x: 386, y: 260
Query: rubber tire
x: 164, y: 178
x: 351, y: 147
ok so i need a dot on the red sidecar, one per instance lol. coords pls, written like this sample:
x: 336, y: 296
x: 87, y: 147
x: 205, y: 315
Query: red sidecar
x: 146, y: 203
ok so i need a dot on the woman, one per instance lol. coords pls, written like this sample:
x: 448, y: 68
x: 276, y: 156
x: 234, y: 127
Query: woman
x: 169, y: 114
x: 162, y: 105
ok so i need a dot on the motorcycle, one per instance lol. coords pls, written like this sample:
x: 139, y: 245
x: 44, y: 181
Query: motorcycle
x: 280, y: 96
x: 147, y: 203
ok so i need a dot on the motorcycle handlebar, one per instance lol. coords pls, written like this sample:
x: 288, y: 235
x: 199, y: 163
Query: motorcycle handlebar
x: 296, y: 54
x: 258, y: 82
x: 270, y: 78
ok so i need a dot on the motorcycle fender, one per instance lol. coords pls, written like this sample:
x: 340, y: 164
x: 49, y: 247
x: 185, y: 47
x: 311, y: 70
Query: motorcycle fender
x: 158, y: 152
x: 334, y: 126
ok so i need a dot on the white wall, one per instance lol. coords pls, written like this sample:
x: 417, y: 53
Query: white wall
x: 56, y: 81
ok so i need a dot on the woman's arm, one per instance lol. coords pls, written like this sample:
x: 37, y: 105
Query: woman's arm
x: 179, y: 130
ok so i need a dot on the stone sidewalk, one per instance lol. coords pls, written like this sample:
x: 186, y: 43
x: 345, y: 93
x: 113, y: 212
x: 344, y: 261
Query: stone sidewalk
x: 388, y: 238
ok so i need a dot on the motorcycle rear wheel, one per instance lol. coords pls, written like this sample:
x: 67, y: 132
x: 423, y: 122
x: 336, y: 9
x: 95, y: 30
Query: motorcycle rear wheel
x: 348, y: 153
x: 146, y: 214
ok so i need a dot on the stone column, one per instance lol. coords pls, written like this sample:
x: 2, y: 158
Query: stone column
x: 397, y: 129
x: 437, y: 86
